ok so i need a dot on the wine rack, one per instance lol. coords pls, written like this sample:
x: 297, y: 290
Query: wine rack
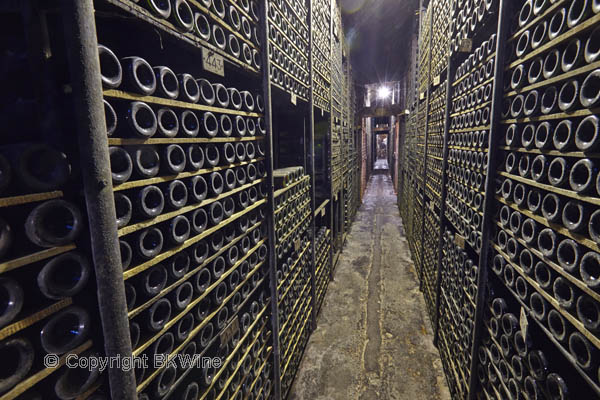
x: 470, y: 130
x: 410, y: 187
x: 190, y: 206
x: 440, y: 39
x: 289, y: 47
x: 420, y: 141
x: 435, y: 144
x: 350, y: 196
x: 425, y: 51
x: 228, y: 28
x: 337, y: 164
x: 46, y: 265
x: 469, y: 19
x: 349, y: 153
x: 321, y: 58
x: 187, y: 152
x: 544, y: 238
x: 431, y: 239
x: 519, y: 355
x: 458, y: 289
x: 140, y: 215
x: 470, y: 122
x: 419, y: 205
x: 433, y: 191
x: 516, y: 314
x: 293, y: 210
x: 322, y: 264
x: 337, y: 83
x: 403, y: 176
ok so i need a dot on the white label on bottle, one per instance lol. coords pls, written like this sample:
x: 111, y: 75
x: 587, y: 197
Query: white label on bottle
x: 229, y: 331
x: 294, y: 99
x: 459, y: 241
x: 213, y: 62
x: 523, y: 322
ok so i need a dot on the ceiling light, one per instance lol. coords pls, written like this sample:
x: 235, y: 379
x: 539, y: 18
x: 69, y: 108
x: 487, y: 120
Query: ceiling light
x: 383, y: 92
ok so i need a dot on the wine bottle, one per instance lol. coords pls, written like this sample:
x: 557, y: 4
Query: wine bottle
x: 54, y: 223
x: 65, y: 330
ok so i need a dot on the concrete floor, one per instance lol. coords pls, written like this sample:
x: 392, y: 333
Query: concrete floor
x: 373, y: 339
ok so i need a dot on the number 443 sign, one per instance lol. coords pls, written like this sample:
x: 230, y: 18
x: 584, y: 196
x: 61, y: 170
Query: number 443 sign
x: 212, y: 62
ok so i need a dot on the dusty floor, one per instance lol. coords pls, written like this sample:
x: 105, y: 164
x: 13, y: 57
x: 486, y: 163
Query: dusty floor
x: 373, y: 339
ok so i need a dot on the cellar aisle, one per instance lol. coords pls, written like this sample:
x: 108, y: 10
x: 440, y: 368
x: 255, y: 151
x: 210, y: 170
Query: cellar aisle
x: 373, y: 339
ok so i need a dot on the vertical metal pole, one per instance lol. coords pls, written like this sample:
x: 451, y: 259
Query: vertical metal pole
x: 311, y: 169
x: 330, y: 152
x: 266, y: 85
x: 84, y: 66
x: 489, y: 202
x: 342, y: 213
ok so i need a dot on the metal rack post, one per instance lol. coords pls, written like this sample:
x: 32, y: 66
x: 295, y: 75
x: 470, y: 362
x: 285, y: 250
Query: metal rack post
x: 266, y: 86
x: 501, y: 35
x: 311, y: 172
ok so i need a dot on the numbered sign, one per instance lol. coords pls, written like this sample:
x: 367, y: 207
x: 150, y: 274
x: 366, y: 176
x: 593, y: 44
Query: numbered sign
x: 212, y: 62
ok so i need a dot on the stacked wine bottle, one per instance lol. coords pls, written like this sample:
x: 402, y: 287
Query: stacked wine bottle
x: 440, y: 37
x: 546, y: 253
x: 458, y: 291
x: 46, y: 269
x: 321, y: 59
x: 469, y: 128
x: 336, y: 101
x: 410, y: 188
x: 470, y: 120
x: 322, y: 263
x: 289, y: 47
x: 188, y: 173
x: 469, y: 18
x: 230, y: 28
x: 433, y: 191
x: 292, y: 220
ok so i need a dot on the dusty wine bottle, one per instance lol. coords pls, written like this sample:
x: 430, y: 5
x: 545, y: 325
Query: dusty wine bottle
x: 38, y: 167
x: 21, y: 354
x: 13, y: 301
x: 64, y: 275
x: 138, y: 75
x: 75, y: 381
x: 65, y: 330
x: 53, y: 223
